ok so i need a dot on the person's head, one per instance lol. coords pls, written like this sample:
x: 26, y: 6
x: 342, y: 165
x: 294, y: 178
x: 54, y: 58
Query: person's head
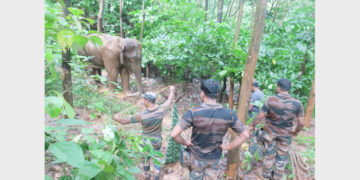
x: 209, y: 89
x: 283, y: 85
x: 149, y: 99
x: 255, y: 85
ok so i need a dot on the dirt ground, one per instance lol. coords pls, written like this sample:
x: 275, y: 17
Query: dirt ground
x: 187, y: 96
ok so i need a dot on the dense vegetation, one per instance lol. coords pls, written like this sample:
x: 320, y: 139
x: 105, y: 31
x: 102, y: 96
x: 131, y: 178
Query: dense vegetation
x: 184, y: 42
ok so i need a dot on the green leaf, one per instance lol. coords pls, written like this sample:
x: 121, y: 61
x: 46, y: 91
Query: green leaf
x: 80, y: 40
x: 134, y: 170
x: 108, y: 134
x: 88, y: 169
x: 96, y: 41
x: 87, y: 130
x: 72, y: 122
x: 69, y: 110
x: 104, y: 155
x: 47, y: 177
x: 75, y: 11
x: 90, y: 139
x: 65, y: 39
x: 68, y: 151
x: 53, y: 106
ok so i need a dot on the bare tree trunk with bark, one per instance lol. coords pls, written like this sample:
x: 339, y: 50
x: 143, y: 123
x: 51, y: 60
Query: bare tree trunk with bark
x: 253, y: 8
x: 121, y: 27
x: 310, y: 106
x: 100, y: 16
x: 247, y: 79
x: 220, y: 11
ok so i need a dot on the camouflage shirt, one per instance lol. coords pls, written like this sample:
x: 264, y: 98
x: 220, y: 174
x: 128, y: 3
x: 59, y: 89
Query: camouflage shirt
x: 151, y: 120
x: 281, y: 110
x: 210, y: 123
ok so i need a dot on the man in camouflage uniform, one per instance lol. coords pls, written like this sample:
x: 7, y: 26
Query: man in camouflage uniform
x: 256, y: 95
x: 279, y: 112
x: 209, y: 122
x: 151, y: 121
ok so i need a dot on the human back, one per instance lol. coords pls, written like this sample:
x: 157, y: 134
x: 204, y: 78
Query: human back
x: 282, y: 112
x: 210, y: 123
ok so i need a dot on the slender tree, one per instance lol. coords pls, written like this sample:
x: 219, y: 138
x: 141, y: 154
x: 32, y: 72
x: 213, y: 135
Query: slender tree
x: 247, y: 79
x: 310, y: 106
x: 231, y: 88
x: 65, y: 66
x: 121, y: 27
x: 239, y: 19
x: 220, y: 10
x: 206, y: 8
x: 100, y: 16
x: 228, y: 9
x: 219, y: 20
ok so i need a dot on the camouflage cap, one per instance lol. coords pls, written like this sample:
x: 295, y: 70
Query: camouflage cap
x: 150, y: 96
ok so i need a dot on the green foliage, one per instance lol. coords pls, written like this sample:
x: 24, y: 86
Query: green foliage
x: 173, y: 148
x: 115, y: 154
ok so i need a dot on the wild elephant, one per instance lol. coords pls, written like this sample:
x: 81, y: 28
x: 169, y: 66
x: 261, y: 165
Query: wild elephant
x: 94, y: 52
x: 116, y: 55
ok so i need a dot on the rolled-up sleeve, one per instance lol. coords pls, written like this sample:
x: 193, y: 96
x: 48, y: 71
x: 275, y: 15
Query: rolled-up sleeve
x: 186, y: 120
x: 236, y: 125
x: 265, y: 107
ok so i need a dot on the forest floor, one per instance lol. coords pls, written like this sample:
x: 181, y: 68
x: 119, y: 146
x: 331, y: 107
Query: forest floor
x: 187, y: 96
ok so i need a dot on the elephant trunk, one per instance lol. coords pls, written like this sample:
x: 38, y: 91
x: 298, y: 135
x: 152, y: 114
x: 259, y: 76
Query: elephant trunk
x: 137, y: 72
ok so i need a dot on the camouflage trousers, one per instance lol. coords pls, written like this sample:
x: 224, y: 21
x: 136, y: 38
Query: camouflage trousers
x: 156, y: 144
x: 276, y: 152
x: 203, y: 169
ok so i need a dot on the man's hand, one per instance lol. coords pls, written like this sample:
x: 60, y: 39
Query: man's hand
x: 223, y: 147
x: 250, y: 129
x: 294, y: 134
x: 188, y: 143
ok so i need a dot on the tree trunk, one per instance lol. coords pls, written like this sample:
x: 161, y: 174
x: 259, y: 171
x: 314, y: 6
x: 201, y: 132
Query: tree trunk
x: 220, y: 11
x: 121, y: 27
x: 310, y: 106
x: 302, y: 69
x: 66, y: 76
x: 247, y: 79
x: 206, y: 9
x: 276, y: 8
x: 228, y: 9
x: 238, y: 22
x: 100, y: 15
x: 213, y: 12
x: 66, y: 68
x: 199, y: 3
x: 143, y: 20
x: 231, y: 93
x: 252, y: 14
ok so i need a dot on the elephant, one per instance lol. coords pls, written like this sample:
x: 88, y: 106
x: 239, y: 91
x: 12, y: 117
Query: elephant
x: 123, y: 56
x: 117, y: 56
x: 94, y: 52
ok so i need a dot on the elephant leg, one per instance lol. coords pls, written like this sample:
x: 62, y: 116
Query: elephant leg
x: 94, y: 72
x: 112, y: 77
x: 125, y: 79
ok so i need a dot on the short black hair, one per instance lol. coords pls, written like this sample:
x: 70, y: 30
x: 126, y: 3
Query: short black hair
x: 210, y: 87
x: 256, y: 84
x: 284, y: 84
